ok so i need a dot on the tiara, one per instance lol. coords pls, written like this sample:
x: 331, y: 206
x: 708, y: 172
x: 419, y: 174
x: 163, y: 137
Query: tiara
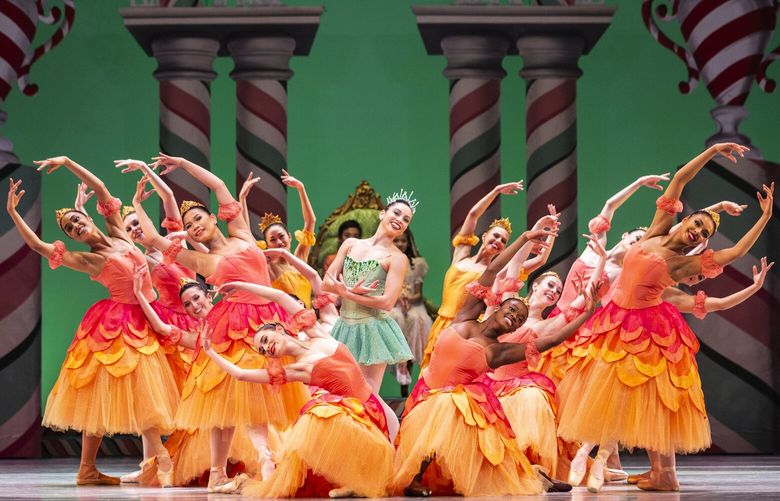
x: 405, y: 197
x: 126, y: 211
x: 502, y: 223
x: 268, y: 219
x: 188, y: 205
x: 60, y: 213
x: 549, y: 273
x: 715, y: 217
x: 185, y: 281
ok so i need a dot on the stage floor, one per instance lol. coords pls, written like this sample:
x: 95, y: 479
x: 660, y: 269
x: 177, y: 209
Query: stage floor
x: 702, y: 478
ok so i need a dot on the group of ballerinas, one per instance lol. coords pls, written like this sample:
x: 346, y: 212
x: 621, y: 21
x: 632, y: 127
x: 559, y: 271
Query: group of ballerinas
x: 273, y: 392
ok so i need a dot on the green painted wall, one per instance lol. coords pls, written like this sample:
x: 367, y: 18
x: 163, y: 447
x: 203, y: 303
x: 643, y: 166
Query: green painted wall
x: 367, y: 103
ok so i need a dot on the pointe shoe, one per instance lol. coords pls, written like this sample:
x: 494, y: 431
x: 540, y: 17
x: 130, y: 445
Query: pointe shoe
x: 653, y: 483
x: 217, y: 478
x: 634, y: 479
x: 577, y: 469
x: 550, y: 484
x: 230, y: 487
x: 97, y: 478
x: 165, y: 478
x: 341, y: 493
x: 596, y: 477
x: 267, y: 465
x: 131, y: 478
x: 615, y: 475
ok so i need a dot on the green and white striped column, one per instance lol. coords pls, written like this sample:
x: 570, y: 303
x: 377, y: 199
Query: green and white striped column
x: 185, y: 71
x: 261, y: 72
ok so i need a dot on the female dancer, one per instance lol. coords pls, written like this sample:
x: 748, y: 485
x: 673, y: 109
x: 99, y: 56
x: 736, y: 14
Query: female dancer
x: 276, y: 236
x: 368, y: 275
x: 454, y: 432
x: 641, y: 387
x: 409, y: 312
x: 115, y: 378
x: 343, y: 434
x: 209, y: 399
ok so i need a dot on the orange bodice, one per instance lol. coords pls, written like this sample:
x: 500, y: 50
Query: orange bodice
x: 643, y: 279
x: 117, y: 277
x: 455, y: 361
x: 518, y: 369
x: 340, y: 375
x: 166, y: 279
x: 247, y: 265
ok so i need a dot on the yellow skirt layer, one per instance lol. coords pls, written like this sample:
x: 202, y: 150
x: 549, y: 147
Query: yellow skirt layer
x: 329, y: 443
x: 439, y: 325
x: 88, y: 396
x: 436, y: 430
x: 531, y: 412
x: 212, y: 399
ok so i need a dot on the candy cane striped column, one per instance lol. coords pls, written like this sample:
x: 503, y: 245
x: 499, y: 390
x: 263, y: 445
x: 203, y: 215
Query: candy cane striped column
x: 551, y: 72
x: 261, y: 73
x: 185, y: 71
x: 475, y: 73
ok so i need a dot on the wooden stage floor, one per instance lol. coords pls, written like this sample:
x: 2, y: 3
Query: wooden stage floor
x: 702, y: 477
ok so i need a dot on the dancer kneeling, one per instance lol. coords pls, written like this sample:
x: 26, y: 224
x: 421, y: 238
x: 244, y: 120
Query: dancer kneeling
x: 344, y: 416
x: 455, y: 436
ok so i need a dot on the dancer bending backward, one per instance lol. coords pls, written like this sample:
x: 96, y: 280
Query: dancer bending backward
x: 641, y: 386
x: 284, y: 276
x: 343, y: 433
x: 466, y: 268
x: 209, y: 399
x: 454, y: 436
x: 368, y: 275
x: 115, y: 378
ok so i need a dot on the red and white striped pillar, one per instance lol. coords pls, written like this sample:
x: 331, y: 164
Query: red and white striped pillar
x: 550, y: 71
x: 262, y: 68
x: 475, y: 72
x: 185, y: 71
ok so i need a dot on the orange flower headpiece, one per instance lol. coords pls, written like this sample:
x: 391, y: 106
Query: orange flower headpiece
x: 268, y: 219
x: 186, y: 280
x: 188, y: 205
x: 502, y: 223
x: 60, y: 213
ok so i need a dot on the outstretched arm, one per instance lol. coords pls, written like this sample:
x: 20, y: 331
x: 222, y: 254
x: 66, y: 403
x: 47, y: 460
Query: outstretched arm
x: 188, y: 339
x: 543, y: 251
x: 463, y: 250
x: 164, y: 191
x: 664, y: 216
x: 619, y: 198
x: 309, y: 219
x: 83, y: 194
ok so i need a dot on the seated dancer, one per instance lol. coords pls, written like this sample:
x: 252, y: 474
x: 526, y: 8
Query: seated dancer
x: 341, y: 444
x: 115, y: 378
x: 368, y: 275
x: 640, y: 386
x: 210, y: 400
x: 348, y: 229
x: 454, y: 436
x: 276, y: 236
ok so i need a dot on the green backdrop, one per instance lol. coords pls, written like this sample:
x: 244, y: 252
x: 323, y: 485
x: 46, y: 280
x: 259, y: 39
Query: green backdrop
x: 367, y: 103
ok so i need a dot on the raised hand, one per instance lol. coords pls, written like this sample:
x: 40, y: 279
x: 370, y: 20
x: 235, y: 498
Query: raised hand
x: 595, y: 245
x: 205, y: 337
x: 539, y: 237
x: 169, y: 163
x: 652, y: 181
x: 140, y: 190
x: 83, y: 194
x: 729, y: 150
x: 509, y: 188
x: 129, y: 165
x: 13, y: 196
x: 291, y: 181
x: 230, y: 288
x: 138, y: 278
x: 759, y: 276
x: 547, y: 222
x: 51, y: 164
x: 732, y: 209
x: 767, y: 200
x: 247, y: 186
x: 174, y: 235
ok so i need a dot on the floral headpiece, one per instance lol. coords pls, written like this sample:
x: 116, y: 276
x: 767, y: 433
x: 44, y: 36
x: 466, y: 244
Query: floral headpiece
x: 502, y: 223
x: 126, y: 211
x: 715, y: 217
x: 60, y: 213
x: 188, y: 205
x: 268, y: 219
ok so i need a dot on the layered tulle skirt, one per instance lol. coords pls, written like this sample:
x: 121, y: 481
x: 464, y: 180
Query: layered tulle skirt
x: 635, y: 381
x: 372, y: 338
x: 338, y: 442
x: 115, y: 378
x: 212, y: 399
x: 463, y: 432
x: 179, y: 357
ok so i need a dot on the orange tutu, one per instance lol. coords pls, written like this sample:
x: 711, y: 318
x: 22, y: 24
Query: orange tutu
x: 115, y: 378
x: 636, y: 383
x: 463, y: 431
x: 179, y: 357
x: 212, y: 399
x: 338, y: 442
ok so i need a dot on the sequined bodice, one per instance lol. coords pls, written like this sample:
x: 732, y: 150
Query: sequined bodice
x: 368, y: 270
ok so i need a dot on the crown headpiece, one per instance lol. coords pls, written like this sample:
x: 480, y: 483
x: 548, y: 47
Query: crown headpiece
x: 268, y: 219
x: 404, y: 197
x: 525, y: 301
x: 126, y: 211
x: 715, y: 217
x: 502, y: 223
x: 188, y: 205
x: 549, y: 273
x: 643, y: 228
x: 186, y: 280
x: 60, y: 213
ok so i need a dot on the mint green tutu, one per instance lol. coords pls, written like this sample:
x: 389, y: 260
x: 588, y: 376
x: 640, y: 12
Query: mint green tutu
x: 371, y: 335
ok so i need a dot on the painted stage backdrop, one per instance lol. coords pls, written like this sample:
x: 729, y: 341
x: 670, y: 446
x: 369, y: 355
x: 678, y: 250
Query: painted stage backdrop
x: 443, y: 98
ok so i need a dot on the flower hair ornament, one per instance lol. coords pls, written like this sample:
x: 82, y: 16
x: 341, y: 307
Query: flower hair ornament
x: 126, y: 211
x: 502, y: 223
x: 404, y: 197
x: 269, y: 219
x: 188, y: 205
